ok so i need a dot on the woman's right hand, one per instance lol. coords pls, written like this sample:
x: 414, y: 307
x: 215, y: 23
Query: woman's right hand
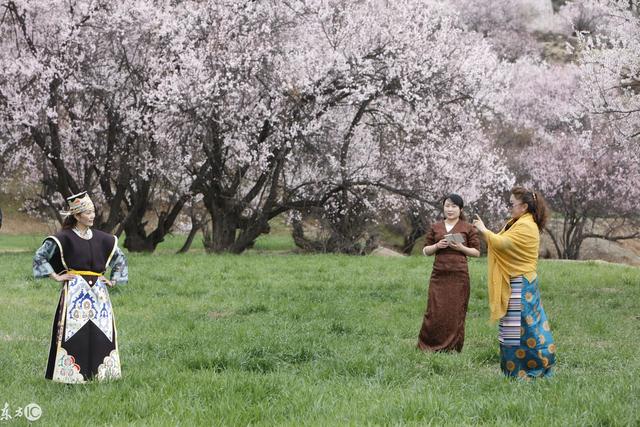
x: 442, y: 244
x: 62, y: 277
x: 479, y: 225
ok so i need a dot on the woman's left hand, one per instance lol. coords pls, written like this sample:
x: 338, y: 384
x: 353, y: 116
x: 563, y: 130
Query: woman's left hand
x: 107, y: 281
x: 457, y: 246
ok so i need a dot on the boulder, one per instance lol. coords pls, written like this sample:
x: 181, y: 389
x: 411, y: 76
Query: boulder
x: 382, y: 251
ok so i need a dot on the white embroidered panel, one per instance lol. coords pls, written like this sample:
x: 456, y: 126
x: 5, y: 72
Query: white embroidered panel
x: 88, y: 304
x: 110, y: 367
x: 66, y: 370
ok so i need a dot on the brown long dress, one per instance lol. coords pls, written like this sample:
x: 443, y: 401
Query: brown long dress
x: 443, y: 323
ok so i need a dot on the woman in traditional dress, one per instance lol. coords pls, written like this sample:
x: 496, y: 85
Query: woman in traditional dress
x: 443, y: 323
x: 84, y: 339
x: 527, y: 348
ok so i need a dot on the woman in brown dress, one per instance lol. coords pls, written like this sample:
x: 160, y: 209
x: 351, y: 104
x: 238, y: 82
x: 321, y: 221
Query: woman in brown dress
x: 443, y: 324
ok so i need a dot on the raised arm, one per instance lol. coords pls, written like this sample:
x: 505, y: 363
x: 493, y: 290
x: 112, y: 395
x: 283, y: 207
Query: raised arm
x: 495, y: 241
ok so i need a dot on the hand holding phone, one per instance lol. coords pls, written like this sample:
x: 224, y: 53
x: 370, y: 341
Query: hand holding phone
x: 479, y: 225
x: 454, y: 238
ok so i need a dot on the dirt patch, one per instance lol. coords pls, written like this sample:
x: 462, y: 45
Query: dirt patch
x: 219, y: 314
x: 15, y: 223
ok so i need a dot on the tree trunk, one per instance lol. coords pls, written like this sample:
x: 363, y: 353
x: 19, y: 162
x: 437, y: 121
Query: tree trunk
x: 337, y: 242
x: 417, y: 229
x: 250, y: 232
x: 137, y: 241
x: 301, y: 241
x: 231, y: 233
x: 222, y: 233
x: 192, y: 234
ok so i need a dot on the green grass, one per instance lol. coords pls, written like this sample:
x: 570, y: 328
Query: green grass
x: 281, y: 339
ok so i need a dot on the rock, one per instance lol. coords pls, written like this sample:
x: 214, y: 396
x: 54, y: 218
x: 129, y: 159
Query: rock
x: 626, y: 252
x: 382, y: 251
x: 608, y: 251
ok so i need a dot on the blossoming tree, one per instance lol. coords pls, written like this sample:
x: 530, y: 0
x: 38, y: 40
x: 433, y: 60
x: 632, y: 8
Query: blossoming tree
x: 74, y: 112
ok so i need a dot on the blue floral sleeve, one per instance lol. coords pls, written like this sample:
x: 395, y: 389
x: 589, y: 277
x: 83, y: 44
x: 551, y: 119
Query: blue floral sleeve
x: 41, y: 266
x: 119, y: 267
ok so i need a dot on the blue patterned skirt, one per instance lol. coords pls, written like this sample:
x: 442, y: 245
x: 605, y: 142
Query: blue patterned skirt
x: 527, y: 348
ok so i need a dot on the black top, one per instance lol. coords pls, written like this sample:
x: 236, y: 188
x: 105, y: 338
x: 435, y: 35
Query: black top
x: 81, y: 254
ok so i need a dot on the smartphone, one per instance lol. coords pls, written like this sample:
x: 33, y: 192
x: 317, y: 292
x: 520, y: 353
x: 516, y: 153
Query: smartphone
x: 454, y: 238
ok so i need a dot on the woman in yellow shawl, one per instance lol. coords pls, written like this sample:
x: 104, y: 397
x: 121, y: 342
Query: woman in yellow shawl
x: 527, y: 348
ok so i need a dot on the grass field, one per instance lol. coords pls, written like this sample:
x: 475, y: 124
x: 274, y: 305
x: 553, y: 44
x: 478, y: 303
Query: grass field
x: 271, y: 338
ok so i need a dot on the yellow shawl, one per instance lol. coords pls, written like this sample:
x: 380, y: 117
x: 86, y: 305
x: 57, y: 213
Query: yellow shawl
x: 511, y: 253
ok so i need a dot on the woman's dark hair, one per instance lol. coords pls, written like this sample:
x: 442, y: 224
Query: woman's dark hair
x: 535, y: 204
x: 456, y: 200
x: 69, y: 222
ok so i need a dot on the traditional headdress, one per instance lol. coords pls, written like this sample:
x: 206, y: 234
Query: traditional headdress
x: 78, y: 203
